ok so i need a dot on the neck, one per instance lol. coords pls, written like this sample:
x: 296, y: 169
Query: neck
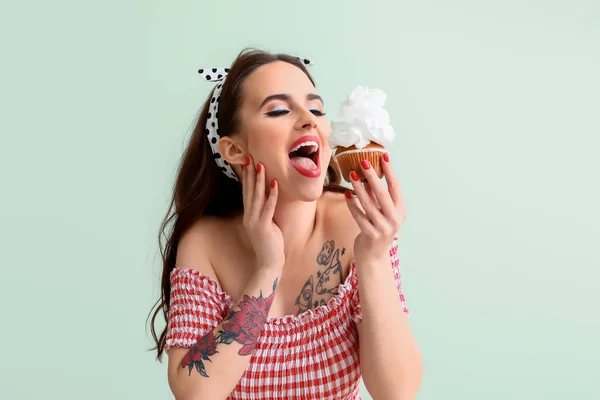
x: 297, y: 220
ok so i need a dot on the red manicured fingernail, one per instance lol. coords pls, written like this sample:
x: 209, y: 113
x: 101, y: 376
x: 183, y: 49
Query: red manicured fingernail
x: 348, y: 194
x: 365, y: 164
x: 354, y: 176
x: 247, y: 160
x: 243, y: 166
x: 272, y: 183
x: 258, y: 168
x: 386, y: 157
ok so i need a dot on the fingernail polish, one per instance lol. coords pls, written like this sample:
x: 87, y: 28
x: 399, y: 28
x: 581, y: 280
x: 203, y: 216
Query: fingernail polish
x: 348, y: 194
x: 247, y: 160
x: 272, y: 183
x: 386, y: 157
x: 258, y: 168
x: 365, y: 164
x: 243, y: 166
x: 354, y: 176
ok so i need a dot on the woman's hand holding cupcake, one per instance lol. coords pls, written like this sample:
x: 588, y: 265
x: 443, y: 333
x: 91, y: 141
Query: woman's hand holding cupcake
x: 382, y: 213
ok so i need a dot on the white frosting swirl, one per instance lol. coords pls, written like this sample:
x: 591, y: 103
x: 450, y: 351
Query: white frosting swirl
x: 362, y: 120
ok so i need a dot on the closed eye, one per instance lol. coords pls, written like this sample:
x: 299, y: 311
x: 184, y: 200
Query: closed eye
x: 277, y: 113
x: 283, y: 111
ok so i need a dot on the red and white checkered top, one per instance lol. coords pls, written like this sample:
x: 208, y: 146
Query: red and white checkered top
x: 313, y: 355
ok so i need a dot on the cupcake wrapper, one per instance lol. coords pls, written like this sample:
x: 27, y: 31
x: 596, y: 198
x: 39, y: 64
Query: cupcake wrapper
x: 350, y: 161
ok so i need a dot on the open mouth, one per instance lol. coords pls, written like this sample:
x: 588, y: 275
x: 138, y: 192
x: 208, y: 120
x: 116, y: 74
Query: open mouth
x: 305, y: 155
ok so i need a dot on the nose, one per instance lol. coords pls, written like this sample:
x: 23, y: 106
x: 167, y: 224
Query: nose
x: 307, y: 120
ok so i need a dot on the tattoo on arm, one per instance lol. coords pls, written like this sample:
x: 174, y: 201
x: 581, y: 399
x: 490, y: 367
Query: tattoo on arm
x: 328, y: 281
x: 243, y: 326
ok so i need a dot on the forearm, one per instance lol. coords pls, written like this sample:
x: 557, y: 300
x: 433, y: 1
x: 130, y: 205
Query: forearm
x: 389, y: 355
x: 213, y: 366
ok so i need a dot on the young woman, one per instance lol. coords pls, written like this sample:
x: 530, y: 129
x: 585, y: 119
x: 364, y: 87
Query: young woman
x: 266, y: 256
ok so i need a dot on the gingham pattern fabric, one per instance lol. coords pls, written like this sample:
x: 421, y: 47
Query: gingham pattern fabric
x: 313, y: 355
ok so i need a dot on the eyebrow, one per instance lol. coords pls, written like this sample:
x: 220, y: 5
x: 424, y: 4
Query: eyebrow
x: 286, y: 97
x: 314, y: 96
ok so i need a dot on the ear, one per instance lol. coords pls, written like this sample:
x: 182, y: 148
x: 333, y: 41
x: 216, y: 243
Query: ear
x: 232, y: 151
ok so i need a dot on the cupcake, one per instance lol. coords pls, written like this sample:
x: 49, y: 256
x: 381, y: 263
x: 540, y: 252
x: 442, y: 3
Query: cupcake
x: 362, y: 131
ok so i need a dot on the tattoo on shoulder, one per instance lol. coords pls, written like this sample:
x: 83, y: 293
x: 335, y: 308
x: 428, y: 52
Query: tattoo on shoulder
x: 313, y: 295
x: 243, y: 325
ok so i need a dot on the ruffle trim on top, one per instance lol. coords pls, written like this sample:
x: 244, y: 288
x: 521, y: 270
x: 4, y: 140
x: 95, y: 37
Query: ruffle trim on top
x: 344, y: 295
x: 206, y: 279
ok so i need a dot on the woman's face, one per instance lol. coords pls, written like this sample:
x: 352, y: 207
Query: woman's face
x: 280, y: 111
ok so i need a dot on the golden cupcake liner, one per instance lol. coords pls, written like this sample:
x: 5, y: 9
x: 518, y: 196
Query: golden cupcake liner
x: 350, y: 160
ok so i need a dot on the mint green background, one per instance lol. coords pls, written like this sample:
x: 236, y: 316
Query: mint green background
x: 496, y: 105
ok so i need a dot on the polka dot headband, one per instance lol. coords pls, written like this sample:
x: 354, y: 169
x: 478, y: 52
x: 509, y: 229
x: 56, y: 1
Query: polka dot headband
x: 212, y: 118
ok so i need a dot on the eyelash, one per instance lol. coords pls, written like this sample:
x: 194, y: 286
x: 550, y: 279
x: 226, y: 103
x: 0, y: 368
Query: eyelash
x: 278, y: 113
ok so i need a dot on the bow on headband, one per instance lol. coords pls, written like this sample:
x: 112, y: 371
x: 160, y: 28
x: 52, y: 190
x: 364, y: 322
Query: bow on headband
x: 212, y: 118
x: 214, y: 74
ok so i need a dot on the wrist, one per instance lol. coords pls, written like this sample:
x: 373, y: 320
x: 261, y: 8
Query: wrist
x: 262, y: 283
x: 269, y: 268
x: 372, y: 262
x: 265, y: 275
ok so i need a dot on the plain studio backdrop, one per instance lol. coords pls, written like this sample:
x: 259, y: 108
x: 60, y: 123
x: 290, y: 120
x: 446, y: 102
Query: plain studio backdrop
x: 497, y: 112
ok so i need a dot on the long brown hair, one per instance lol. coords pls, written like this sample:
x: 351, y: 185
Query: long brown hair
x: 201, y: 188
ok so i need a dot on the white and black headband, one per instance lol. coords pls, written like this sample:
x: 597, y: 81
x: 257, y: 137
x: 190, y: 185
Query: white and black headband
x: 212, y: 118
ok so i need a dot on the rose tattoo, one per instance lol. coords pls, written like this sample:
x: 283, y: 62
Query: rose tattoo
x: 243, y: 326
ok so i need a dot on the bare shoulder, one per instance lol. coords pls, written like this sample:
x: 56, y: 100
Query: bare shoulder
x: 194, y: 246
x: 337, y: 215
